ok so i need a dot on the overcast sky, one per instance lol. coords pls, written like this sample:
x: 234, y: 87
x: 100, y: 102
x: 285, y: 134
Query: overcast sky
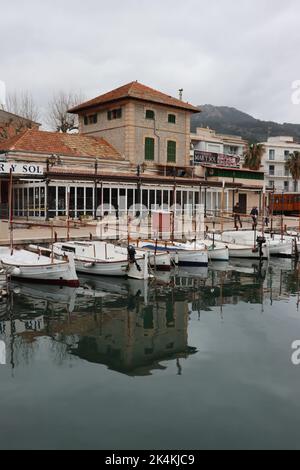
x: 242, y: 53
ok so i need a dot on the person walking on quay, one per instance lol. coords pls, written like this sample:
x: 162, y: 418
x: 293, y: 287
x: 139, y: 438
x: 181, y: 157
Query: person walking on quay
x: 237, y: 217
x: 254, y: 215
x: 267, y: 216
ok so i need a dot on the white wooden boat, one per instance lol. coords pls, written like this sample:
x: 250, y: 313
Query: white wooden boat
x: 278, y: 246
x: 217, y: 251
x: 34, y: 267
x: 182, y: 254
x: 159, y: 260
x: 106, y: 259
x: 247, y: 252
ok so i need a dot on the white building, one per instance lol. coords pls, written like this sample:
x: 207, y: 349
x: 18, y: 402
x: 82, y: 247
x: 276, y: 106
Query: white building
x: 219, y: 146
x: 278, y: 150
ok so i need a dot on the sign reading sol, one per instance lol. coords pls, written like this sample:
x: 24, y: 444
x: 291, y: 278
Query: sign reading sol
x: 25, y: 169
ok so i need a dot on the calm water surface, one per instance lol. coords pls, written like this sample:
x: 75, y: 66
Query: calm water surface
x: 197, y: 359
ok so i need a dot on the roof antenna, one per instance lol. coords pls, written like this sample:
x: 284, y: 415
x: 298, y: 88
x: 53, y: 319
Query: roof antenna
x: 181, y: 94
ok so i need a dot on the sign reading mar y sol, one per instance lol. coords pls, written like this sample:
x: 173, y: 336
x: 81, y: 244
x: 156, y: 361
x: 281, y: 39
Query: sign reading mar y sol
x: 24, y: 169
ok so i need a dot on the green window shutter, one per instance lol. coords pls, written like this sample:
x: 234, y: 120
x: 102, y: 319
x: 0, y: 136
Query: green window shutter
x: 149, y: 148
x: 171, y: 151
x: 172, y: 119
x: 150, y: 114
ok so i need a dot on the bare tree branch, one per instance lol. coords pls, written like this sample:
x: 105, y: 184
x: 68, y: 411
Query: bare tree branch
x: 58, y: 117
x: 23, y: 105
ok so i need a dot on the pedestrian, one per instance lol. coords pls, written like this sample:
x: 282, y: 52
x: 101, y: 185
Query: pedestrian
x: 267, y: 216
x: 254, y: 215
x: 237, y: 217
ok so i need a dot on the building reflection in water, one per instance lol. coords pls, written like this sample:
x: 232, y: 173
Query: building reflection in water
x: 131, y: 326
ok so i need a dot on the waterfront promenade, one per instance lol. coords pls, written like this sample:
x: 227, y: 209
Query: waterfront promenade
x: 42, y: 232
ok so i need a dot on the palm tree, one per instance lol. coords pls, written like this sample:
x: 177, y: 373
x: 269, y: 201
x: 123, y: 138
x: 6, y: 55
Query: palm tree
x: 293, y: 165
x: 253, y: 156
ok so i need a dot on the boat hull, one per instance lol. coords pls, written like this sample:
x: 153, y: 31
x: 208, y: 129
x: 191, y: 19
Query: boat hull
x: 105, y: 259
x: 181, y: 256
x: 59, y: 273
x: 160, y: 261
x: 111, y: 269
x: 191, y: 258
x: 217, y: 251
x: 280, y: 248
x: 247, y: 252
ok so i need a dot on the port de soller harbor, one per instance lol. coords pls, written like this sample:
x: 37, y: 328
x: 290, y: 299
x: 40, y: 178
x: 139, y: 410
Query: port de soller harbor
x: 149, y: 280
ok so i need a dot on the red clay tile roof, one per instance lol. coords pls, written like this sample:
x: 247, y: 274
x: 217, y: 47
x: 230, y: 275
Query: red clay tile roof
x: 75, y: 145
x: 135, y: 90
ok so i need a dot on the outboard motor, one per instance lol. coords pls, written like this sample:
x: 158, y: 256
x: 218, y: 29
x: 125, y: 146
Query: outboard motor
x: 131, y: 253
x: 131, y: 256
x: 260, y: 242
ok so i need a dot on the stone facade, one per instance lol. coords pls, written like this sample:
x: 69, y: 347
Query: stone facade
x: 128, y: 133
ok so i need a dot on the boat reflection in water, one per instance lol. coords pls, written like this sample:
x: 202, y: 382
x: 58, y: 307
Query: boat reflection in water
x: 131, y: 326
x: 127, y: 325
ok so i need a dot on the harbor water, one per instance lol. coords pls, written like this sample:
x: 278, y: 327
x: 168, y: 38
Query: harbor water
x: 195, y: 359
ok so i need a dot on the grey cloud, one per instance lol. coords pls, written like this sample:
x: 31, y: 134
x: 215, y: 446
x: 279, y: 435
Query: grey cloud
x: 225, y: 52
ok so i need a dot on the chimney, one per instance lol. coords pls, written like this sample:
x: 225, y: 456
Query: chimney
x: 181, y: 94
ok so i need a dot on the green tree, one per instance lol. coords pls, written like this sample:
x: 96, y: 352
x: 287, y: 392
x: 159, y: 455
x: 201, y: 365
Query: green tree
x: 253, y: 156
x: 293, y: 165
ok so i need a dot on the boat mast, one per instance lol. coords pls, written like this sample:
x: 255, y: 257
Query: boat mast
x: 52, y: 243
x: 264, y: 212
x: 11, y: 212
x: 222, y: 207
x: 68, y: 213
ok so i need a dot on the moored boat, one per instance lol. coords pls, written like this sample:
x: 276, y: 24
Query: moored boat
x: 182, y: 254
x: 279, y: 246
x: 106, y: 259
x: 217, y: 251
x: 248, y: 252
x: 159, y: 260
x: 34, y: 267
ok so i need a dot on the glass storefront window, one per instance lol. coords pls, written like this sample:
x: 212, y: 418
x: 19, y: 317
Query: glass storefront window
x: 80, y: 201
x: 51, y: 202
x: 62, y: 200
x: 89, y: 201
x: 37, y: 202
x: 42, y: 201
x: 31, y: 202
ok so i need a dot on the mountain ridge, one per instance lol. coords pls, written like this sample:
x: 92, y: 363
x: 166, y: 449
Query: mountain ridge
x: 230, y: 120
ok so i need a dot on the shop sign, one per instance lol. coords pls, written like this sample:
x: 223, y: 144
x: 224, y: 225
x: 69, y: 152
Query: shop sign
x: 216, y: 159
x: 21, y: 169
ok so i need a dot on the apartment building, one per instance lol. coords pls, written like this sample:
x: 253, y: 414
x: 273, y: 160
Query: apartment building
x: 277, y: 152
x: 219, y: 158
